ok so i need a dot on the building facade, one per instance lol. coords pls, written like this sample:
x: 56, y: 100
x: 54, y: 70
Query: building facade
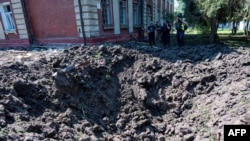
x: 26, y: 22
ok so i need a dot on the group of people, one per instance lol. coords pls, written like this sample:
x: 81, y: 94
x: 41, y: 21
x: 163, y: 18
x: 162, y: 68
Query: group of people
x: 165, y: 30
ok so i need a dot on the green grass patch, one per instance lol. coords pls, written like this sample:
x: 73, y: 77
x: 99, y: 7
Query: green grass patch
x: 238, y: 40
x: 195, y: 37
x: 229, y: 32
x: 191, y: 39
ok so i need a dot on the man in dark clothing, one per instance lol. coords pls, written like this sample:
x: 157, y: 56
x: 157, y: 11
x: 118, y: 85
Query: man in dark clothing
x: 166, y: 28
x: 151, y: 34
x: 158, y: 32
x: 234, y: 27
x: 180, y: 26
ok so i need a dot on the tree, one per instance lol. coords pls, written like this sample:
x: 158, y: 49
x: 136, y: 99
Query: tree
x: 211, y: 12
x: 246, y: 18
x: 179, y: 6
x: 168, y: 16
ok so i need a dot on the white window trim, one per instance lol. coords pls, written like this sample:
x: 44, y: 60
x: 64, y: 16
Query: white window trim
x: 135, y: 14
x: 6, y: 3
x: 108, y: 14
x: 10, y: 31
x: 4, y: 19
x: 123, y: 13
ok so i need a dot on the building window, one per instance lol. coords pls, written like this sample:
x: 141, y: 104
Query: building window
x: 136, y: 14
x: 123, y: 12
x: 149, y: 14
x: 7, y: 16
x: 158, y: 4
x: 171, y: 8
x: 168, y: 7
x: 158, y: 15
x: 107, y: 12
x: 163, y: 3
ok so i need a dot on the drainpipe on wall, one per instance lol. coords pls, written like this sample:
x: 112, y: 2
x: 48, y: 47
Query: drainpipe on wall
x: 27, y: 22
x: 141, y: 31
x: 82, y: 23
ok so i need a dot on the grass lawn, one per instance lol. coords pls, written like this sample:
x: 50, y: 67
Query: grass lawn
x: 238, y: 40
x: 193, y: 37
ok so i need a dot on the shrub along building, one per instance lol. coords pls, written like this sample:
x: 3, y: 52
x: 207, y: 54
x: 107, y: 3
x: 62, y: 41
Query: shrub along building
x: 27, y: 22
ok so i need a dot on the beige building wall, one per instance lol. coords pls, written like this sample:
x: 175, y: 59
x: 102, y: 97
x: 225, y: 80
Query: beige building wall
x: 116, y: 17
x: 19, y: 18
x: 2, y: 36
x: 90, y: 17
x: 130, y: 16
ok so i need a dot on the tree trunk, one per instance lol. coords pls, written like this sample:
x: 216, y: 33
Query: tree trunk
x: 246, y: 28
x: 213, y: 31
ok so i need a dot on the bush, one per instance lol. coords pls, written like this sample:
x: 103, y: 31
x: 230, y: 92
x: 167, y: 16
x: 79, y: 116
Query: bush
x: 202, y: 29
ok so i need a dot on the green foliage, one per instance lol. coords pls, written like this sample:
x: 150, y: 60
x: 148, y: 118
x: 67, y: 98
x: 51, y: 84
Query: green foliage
x: 192, y: 13
x: 181, y: 6
x: 203, y: 29
x: 222, y: 9
x: 168, y: 16
x: 246, y: 11
x: 211, y: 12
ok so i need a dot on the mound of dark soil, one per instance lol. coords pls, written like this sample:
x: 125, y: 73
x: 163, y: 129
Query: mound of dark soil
x: 115, y: 93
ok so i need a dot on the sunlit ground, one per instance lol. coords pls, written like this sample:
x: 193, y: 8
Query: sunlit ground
x: 194, y: 37
x: 238, y: 40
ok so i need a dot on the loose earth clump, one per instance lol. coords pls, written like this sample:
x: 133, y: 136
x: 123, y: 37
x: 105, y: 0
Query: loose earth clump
x: 112, y: 92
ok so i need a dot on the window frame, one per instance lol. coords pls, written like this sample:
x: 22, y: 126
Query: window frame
x: 136, y: 15
x: 158, y: 15
x: 123, y: 9
x: 149, y: 16
x: 7, y: 18
x: 107, y: 18
x: 164, y: 4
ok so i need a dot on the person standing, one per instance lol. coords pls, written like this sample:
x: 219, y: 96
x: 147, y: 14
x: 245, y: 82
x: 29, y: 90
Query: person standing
x: 166, y: 29
x: 180, y: 26
x: 151, y: 34
x: 234, y: 27
x: 158, y: 32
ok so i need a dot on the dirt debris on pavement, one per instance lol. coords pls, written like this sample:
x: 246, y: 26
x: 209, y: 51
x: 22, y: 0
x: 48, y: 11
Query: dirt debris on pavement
x: 115, y: 93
